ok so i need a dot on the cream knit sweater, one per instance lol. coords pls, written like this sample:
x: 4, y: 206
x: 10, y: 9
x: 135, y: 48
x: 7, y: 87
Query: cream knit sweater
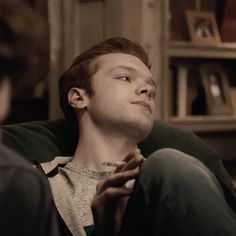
x: 73, y: 189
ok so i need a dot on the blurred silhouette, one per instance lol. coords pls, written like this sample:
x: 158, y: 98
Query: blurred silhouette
x: 26, y: 205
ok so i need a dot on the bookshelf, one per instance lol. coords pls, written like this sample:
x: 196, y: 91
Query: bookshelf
x: 188, y: 49
x: 209, y: 123
x: 179, y: 52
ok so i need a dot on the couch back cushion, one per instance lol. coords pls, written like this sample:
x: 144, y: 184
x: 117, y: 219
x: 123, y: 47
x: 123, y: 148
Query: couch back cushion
x: 43, y: 140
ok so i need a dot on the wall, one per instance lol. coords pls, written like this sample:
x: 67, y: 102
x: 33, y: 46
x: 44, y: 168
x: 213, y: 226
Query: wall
x: 77, y: 25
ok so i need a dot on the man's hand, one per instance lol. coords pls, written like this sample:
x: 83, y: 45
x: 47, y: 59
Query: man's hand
x: 109, y: 203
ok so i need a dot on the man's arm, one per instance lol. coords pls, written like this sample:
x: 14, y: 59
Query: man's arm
x: 110, y: 201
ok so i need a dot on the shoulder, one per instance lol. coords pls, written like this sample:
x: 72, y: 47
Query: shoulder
x: 17, y: 174
x: 10, y: 159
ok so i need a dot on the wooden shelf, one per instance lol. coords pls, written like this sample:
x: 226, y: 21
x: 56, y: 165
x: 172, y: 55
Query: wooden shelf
x: 205, y: 123
x: 188, y: 49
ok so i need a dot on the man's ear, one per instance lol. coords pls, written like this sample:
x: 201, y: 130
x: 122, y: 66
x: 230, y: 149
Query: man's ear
x: 78, y: 98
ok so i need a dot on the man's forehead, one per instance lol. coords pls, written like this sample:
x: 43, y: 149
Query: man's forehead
x: 121, y: 60
x: 116, y: 56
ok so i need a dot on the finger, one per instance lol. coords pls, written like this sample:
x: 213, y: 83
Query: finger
x: 110, y: 194
x: 116, y: 180
x: 136, y: 161
x: 120, y: 167
x: 133, y: 163
x: 130, y: 155
x: 124, y: 161
x: 133, y: 157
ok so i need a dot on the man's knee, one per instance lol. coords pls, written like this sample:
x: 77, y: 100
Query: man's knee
x: 171, y: 166
x: 172, y: 161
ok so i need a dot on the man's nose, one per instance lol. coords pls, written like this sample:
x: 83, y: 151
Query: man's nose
x: 145, y: 90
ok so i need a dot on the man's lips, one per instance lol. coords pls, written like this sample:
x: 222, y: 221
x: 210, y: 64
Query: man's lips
x: 142, y: 103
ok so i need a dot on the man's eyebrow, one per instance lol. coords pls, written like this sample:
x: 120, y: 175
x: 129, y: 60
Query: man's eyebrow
x: 124, y: 67
x: 150, y: 80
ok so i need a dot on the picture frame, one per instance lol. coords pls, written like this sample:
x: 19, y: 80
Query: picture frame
x: 202, y: 28
x: 217, y: 89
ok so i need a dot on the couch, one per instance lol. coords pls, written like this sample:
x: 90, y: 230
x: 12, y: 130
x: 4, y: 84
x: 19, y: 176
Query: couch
x: 43, y: 140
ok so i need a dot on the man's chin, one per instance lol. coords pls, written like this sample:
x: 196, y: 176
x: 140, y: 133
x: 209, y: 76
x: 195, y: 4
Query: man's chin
x: 142, y: 129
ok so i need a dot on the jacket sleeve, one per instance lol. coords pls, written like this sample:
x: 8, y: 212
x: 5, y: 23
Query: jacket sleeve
x: 26, y: 204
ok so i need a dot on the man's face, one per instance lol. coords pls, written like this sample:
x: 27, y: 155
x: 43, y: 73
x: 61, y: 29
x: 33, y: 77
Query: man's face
x: 124, y: 91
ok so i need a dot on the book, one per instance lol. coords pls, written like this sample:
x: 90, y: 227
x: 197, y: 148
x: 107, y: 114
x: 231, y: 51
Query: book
x: 182, y: 77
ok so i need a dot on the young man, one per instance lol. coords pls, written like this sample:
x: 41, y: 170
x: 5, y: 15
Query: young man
x: 109, y: 91
x: 26, y: 205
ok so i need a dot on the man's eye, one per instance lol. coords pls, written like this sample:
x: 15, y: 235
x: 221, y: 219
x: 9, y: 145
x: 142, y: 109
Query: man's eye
x: 124, y: 78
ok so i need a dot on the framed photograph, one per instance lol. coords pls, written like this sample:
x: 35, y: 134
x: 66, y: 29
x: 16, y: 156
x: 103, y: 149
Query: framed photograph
x: 202, y: 27
x: 217, y: 90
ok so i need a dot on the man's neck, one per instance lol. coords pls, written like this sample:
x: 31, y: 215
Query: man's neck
x: 98, y: 146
